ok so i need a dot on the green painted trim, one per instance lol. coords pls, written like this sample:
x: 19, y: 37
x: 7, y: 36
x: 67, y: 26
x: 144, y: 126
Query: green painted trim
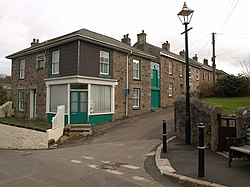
x: 50, y: 116
x: 99, y: 119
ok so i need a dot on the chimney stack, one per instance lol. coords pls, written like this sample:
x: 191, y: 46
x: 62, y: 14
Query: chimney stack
x: 182, y: 53
x: 35, y: 42
x: 195, y: 57
x: 141, y: 38
x: 126, y: 39
x: 166, y: 46
x: 205, y: 62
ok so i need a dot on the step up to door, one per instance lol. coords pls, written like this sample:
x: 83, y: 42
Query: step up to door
x: 78, y: 129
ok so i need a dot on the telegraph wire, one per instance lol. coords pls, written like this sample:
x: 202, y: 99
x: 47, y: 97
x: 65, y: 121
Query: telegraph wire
x: 230, y: 14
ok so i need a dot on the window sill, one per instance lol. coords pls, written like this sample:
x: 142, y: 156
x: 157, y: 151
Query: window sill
x: 136, y: 108
x: 134, y: 79
x: 103, y: 75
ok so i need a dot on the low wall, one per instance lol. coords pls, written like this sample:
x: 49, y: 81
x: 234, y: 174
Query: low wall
x: 242, y: 120
x: 12, y: 137
x: 199, y: 113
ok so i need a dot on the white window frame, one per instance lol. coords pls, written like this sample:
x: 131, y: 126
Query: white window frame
x: 21, y: 100
x: 40, y: 61
x: 104, y: 104
x: 136, y: 97
x: 170, y: 90
x: 170, y: 68
x: 197, y: 75
x: 181, y: 71
x: 136, y: 69
x: 22, y: 69
x: 104, y: 63
x: 190, y: 73
x: 55, y: 61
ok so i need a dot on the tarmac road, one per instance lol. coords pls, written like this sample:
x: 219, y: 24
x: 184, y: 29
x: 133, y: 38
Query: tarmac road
x: 122, y: 155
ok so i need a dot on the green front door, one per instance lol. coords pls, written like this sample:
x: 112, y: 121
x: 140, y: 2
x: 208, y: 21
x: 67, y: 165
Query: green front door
x: 155, y: 89
x: 78, y: 107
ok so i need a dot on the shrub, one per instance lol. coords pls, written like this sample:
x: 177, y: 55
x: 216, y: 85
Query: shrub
x: 3, y: 95
x: 231, y: 86
x: 206, y: 90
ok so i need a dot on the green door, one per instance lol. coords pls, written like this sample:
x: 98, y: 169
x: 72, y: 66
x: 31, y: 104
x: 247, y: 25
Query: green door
x: 155, y: 90
x: 78, y: 107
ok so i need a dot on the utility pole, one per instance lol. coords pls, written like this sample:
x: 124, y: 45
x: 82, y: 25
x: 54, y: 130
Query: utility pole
x: 213, y: 56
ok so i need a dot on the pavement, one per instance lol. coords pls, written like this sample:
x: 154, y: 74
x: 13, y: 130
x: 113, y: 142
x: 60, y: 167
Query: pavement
x: 180, y: 163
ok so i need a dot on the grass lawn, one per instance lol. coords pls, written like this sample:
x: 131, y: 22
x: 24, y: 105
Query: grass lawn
x: 26, y: 122
x: 229, y: 105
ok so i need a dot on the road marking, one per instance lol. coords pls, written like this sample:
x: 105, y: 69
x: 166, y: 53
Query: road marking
x: 76, y: 161
x: 114, y: 172
x: 151, y: 153
x: 130, y: 166
x: 88, y: 158
x: 140, y: 179
x: 106, y: 162
x: 92, y: 166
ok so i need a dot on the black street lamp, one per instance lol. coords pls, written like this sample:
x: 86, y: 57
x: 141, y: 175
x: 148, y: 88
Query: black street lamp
x: 185, y: 16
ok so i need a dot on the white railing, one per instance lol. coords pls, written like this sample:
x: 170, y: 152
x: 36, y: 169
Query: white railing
x: 58, y: 119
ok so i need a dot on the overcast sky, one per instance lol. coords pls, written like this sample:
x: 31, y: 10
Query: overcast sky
x: 21, y: 21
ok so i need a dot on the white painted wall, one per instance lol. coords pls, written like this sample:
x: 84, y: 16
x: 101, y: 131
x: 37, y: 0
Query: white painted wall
x: 12, y: 137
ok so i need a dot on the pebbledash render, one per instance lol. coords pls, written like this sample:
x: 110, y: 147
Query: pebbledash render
x: 98, y: 78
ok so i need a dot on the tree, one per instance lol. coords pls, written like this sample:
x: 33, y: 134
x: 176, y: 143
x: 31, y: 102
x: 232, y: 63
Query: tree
x: 231, y: 86
x: 3, y: 95
x: 245, y: 65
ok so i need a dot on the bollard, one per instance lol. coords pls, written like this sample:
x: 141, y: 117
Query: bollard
x: 201, y: 149
x: 164, y: 136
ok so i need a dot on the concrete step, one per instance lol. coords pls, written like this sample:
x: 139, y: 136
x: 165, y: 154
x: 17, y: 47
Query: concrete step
x: 78, y: 129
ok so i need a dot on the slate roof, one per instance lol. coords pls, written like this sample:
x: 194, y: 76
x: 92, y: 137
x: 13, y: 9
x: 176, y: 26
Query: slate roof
x: 85, y: 35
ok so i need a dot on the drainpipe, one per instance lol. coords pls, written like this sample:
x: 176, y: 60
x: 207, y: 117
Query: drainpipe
x: 126, y: 92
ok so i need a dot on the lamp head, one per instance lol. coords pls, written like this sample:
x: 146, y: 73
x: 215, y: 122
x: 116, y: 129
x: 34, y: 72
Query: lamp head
x: 185, y: 15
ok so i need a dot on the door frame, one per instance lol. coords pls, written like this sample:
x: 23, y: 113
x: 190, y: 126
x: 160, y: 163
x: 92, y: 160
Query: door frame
x: 33, y: 103
x: 78, y: 91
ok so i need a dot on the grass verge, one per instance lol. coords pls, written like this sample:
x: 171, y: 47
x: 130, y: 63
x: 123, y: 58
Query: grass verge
x: 229, y: 105
x: 26, y: 123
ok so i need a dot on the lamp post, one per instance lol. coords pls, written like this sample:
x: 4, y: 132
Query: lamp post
x: 185, y: 16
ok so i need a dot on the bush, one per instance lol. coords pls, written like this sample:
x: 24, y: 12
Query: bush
x: 231, y: 86
x: 206, y: 90
x: 3, y: 95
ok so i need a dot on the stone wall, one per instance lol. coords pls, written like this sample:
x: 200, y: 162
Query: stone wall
x: 199, y: 113
x: 242, y: 120
x: 23, y: 138
x: 34, y: 79
x: 120, y: 73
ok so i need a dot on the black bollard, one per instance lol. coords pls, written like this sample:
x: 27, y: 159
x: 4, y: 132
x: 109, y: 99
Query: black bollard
x: 201, y: 149
x: 164, y: 136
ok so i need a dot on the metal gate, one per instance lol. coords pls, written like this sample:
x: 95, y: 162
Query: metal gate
x: 227, y: 128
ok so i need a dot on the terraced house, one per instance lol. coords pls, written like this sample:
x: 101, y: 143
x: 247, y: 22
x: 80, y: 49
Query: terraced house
x: 172, y: 71
x: 97, y: 78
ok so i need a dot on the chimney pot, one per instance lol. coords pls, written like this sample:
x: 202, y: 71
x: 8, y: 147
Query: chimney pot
x: 126, y: 39
x: 141, y: 38
x: 166, y: 46
x: 182, y: 53
x: 205, y: 61
x: 195, y: 57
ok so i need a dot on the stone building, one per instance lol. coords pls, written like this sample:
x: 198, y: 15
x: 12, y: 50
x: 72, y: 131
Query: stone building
x: 96, y: 77
x: 172, y: 70
x: 99, y: 78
